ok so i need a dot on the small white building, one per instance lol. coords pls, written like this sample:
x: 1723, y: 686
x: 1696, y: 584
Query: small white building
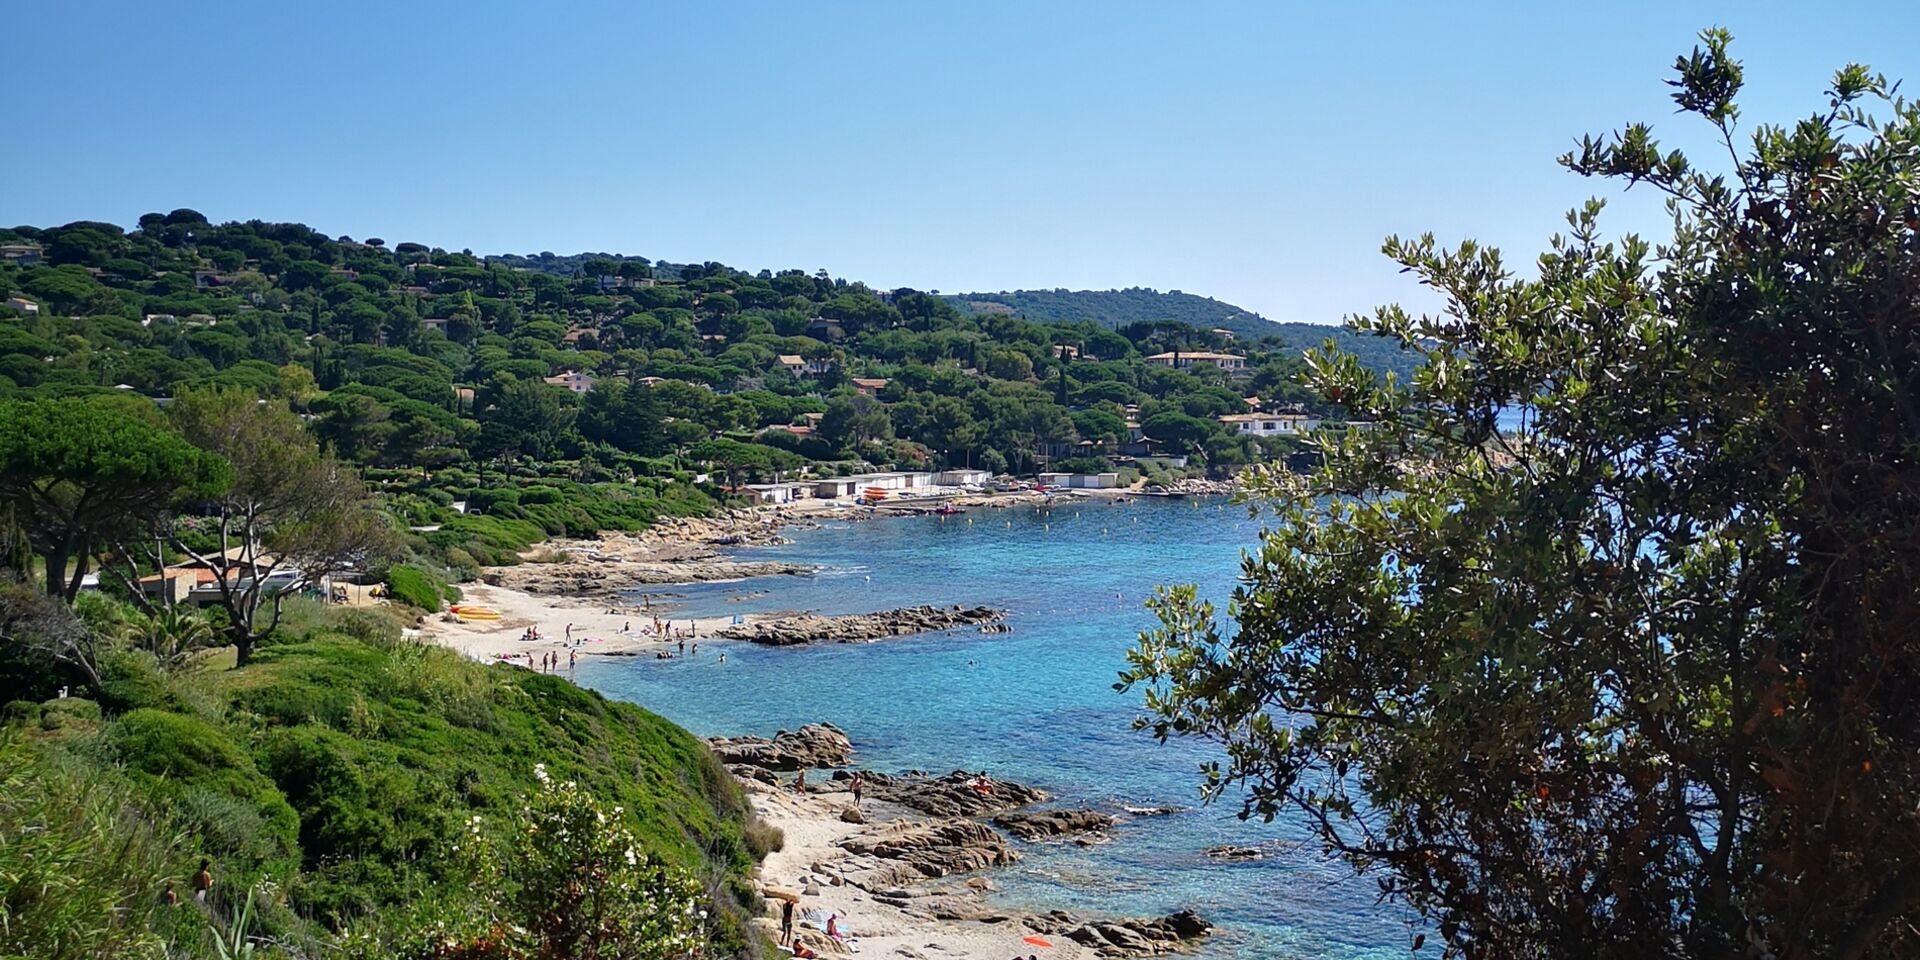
x: 23, y: 305
x: 434, y: 323
x: 962, y: 478
x: 1084, y: 481
x: 793, y: 363
x: 575, y: 381
x: 1270, y: 424
x: 1187, y: 361
x: 776, y: 492
x: 854, y: 486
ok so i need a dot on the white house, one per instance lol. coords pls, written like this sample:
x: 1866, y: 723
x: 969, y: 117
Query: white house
x: 1187, y: 361
x: 1270, y: 424
x: 575, y: 381
x: 23, y: 305
x: 434, y: 323
x: 792, y: 363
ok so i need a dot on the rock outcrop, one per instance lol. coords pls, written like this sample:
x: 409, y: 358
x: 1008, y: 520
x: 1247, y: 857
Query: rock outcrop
x: 905, y: 852
x: 814, y: 745
x: 1135, y: 937
x: 958, y: 794
x: 1052, y: 824
x: 604, y: 579
x: 858, y: 627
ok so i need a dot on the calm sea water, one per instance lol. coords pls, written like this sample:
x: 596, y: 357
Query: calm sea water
x: 1035, y: 705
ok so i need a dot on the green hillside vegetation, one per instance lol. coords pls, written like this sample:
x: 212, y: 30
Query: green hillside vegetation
x: 1120, y: 308
x: 443, y: 375
x: 258, y: 407
x: 330, y: 782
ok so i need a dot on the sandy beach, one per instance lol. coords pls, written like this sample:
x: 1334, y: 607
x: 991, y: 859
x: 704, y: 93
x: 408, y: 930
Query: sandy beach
x: 599, y: 627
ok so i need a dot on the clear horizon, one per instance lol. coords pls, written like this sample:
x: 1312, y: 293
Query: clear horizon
x: 1247, y: 153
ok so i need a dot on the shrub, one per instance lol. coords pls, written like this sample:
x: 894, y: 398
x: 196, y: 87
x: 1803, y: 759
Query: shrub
x: 68, y: 712
x: 763, y: 838
x: 415, y: 587
x: 380, y: 626
x: 194, y: 764
x: 131, y: 679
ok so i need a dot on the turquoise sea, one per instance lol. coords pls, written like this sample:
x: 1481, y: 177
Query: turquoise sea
x: 1035, y: 705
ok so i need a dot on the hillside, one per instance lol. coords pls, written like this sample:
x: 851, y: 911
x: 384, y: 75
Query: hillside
x: 1118, y: 308
x: 335, y: 780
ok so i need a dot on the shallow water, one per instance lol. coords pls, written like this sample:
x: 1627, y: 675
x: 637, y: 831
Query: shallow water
x: 1035, y: 705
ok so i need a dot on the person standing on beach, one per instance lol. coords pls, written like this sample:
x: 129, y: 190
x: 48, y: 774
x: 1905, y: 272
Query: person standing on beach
x: 857, y: 785
x: 572, y: 658
x: 786, y: 922
x: 569, y: 631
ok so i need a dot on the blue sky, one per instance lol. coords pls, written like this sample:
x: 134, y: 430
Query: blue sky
x: 1254, y: 152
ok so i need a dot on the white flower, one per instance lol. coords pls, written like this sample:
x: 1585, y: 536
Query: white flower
x: 540, y: 772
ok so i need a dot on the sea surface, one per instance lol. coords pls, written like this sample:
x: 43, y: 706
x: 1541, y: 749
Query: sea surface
x: 1035, y: 705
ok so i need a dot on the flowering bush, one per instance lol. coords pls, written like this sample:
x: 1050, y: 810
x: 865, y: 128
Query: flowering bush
x: 566, y: 881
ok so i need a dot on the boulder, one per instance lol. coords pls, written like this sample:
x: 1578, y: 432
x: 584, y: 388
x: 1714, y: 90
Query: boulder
x: 1052, y: 824
x: 814, y: 745
x: 1131, y: 937
x: 955, y: 795
x: 905, y: 852
x: 857, y: 627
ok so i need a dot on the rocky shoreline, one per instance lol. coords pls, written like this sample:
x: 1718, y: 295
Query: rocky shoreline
x: 858, y: 627
x: 916, y: 848
x: 673, y: 550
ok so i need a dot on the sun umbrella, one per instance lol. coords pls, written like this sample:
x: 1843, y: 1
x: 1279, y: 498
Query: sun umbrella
x: 1037, y: 941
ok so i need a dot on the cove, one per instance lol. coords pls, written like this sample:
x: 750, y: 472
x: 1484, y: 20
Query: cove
x: 1035, y: 705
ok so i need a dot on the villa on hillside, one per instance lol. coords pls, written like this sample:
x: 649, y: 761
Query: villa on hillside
x: 1187, y: 361
x: 24, y: 254
x: 794, y: 364
x: 575, y: 381
x: 23, y: 305
x: 1270, y: 424
x: 868, y: 386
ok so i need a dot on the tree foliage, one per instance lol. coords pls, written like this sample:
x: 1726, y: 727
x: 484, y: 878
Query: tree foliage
x: 1636, y: 679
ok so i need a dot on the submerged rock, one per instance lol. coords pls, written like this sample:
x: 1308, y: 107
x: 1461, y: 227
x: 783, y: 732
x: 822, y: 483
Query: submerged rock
x: 858, y: 627
x: 814, y: 745
x: 1230, y: 852
x: 1052, y: 824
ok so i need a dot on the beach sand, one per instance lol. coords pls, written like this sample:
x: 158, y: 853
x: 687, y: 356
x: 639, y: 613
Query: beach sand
x: 598, y: 631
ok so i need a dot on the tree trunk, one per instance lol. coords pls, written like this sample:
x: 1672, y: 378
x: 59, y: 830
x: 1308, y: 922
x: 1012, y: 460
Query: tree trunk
x: 56, y: 571
x: 242, y: 644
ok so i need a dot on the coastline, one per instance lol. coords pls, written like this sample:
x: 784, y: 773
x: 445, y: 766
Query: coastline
x: 945, y: 917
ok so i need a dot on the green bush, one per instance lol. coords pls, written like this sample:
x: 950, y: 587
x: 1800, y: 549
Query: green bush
x: 20, y: 711
x: 413, y: 586
x: 131, y: 679
x: 68, y: 712
x: 196, y: 767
